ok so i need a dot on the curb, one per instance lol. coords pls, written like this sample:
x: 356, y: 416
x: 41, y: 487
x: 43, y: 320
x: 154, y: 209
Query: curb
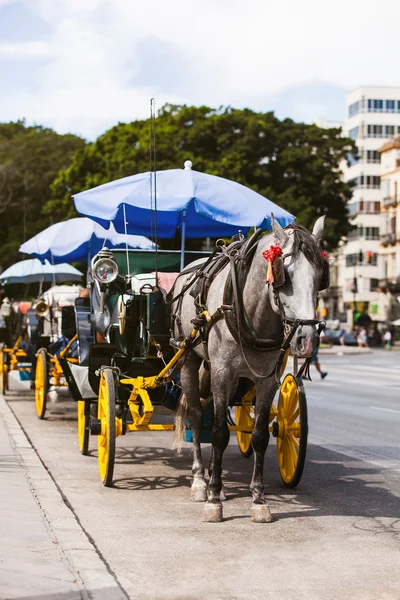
x: 94, y: 579
x: 341, y: 352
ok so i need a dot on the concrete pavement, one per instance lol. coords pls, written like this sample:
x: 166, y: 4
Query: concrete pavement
x: 336, y: 536
x: 44, y: 552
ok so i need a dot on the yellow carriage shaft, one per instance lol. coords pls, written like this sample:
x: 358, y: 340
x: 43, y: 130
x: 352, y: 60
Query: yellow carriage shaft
x: 57, y: 372
x: 16, y: 355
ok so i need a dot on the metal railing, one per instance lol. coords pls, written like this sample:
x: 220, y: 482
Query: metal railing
x: 389, y: 201
x: 389, y: 238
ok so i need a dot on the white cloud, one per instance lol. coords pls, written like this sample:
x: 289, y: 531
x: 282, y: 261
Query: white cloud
x: 238, y: 53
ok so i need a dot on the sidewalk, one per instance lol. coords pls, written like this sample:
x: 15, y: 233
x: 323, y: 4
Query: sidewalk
x: 341, y: 350
x: 44, y: 552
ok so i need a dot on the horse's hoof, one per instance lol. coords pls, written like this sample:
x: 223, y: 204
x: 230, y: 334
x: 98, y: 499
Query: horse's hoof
x: 199, y: 493
x: 260, y: 513
x: 212, y: 512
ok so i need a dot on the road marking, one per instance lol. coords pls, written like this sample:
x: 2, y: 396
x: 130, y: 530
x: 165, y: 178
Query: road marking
x: 374, y: 458
x: 391, y: 410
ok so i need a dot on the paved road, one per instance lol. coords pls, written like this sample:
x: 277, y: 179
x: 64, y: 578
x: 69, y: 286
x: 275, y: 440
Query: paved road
x: 336, y: 536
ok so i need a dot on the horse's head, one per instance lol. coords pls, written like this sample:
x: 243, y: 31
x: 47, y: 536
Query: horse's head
x: 298, y: 275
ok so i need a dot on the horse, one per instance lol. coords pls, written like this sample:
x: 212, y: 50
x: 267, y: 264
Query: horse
x: 268, y: 312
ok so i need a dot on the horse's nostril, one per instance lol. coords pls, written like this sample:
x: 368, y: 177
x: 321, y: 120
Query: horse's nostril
x: 300, y: 341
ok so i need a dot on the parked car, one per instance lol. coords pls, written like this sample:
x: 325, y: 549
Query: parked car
x: 333, y: 337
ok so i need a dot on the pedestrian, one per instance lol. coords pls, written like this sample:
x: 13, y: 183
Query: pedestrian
x: 362, y: 338
x: 387, y: 338
x: 342, y: 336
x: 316, y: 363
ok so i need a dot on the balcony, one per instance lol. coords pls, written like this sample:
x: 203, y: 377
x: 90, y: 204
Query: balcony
x: 391, y: 285
x: 389, y: 201
x: 388, y: 239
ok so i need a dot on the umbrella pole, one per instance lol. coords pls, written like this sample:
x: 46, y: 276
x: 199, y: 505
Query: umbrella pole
x: 183, y: 232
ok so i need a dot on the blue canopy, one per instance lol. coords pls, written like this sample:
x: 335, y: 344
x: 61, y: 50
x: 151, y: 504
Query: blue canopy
x: 33, y: 271
x: 201, y: 205
x: 77, y: 240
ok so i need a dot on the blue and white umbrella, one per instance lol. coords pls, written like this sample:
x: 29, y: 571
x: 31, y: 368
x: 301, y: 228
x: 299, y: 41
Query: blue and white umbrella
x: 211, y: 206
x: 77, y: 240
x: 33, y: 271
x: 201, y: 205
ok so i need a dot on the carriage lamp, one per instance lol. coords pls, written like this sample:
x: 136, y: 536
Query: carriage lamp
x: 105, y: 270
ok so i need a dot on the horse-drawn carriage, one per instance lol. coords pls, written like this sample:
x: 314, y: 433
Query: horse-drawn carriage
x: 146, y: 345
x: 219, y: 338
x: 53, y: 337
x: 14, y: 349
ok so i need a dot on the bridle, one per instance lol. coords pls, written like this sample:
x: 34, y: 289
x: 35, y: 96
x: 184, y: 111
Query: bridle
x: 291, y: 325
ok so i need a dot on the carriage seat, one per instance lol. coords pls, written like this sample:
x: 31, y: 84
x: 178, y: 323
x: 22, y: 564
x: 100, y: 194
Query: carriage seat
x: 165, y: 281
x: 142, y: 279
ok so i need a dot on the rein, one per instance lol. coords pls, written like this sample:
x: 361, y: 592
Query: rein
x: 239, y: 257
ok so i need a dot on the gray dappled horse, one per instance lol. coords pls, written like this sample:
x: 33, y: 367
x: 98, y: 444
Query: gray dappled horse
x: 265, y: 309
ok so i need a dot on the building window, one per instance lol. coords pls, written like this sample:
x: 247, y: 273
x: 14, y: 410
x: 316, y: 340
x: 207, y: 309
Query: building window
x: 362, y: 259
x: 389, y: 130
x: 379, y: 106
x: 373, y: 285
x: 371, y: 233
x: 365, y: 208
x: 354, y: 109
x: 353, y: 133
x: 351, y: 260
x: 375, y: 131
x: 373, y: 156
x: 390, y: 105
x: 375, y: 105
x: 366, y: 181
x: 368, y: 233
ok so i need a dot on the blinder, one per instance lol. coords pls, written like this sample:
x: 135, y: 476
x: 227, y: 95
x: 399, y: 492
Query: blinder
x: 325, y: 279
x: 278, y: 270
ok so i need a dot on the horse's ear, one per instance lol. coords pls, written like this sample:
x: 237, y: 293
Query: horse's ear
x: 279, y: 232
x: 318, y: 229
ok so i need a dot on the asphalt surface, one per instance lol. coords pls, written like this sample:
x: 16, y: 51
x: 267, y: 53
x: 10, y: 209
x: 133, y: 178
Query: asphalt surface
x: 335, y: 536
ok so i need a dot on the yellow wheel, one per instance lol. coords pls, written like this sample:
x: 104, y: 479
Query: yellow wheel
x: 245, y: 420
x: 291, y: 430
x: 41, y: 383
x: 3, y: 372
x: 106, y: 416
x: 83, y: 426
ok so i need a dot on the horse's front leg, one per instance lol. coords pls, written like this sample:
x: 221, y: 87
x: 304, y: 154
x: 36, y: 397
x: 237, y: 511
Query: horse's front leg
x: 190, y: 387
x: 221, y: 387
x: 266, y: 388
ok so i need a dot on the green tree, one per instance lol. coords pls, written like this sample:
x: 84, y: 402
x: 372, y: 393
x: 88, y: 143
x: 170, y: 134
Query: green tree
x: 30, y: 159
x: 294, y: 164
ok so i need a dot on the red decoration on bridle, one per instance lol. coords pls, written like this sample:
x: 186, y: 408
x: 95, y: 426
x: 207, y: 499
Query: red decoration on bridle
x: 324, y: 254
x: 270, y: 254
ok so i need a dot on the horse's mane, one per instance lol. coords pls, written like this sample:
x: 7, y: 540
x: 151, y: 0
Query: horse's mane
x: 305, y: 242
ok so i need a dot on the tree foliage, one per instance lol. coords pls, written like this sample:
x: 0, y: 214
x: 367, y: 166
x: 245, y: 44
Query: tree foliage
x: 293, y: 164
x: 30, y: 160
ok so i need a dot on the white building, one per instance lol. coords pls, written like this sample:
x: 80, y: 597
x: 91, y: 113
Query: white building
x: 389, y: 258
x: 373, y: 118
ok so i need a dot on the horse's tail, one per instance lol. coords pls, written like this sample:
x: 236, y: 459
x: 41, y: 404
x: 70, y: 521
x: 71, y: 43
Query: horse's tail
x: 180, y: 424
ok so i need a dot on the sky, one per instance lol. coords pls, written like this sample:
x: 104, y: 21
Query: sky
x: 81, y: 66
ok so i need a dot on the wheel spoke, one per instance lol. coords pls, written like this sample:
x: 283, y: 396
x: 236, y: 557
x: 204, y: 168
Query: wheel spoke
x: 294, y: 441
x: 293, y: 418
